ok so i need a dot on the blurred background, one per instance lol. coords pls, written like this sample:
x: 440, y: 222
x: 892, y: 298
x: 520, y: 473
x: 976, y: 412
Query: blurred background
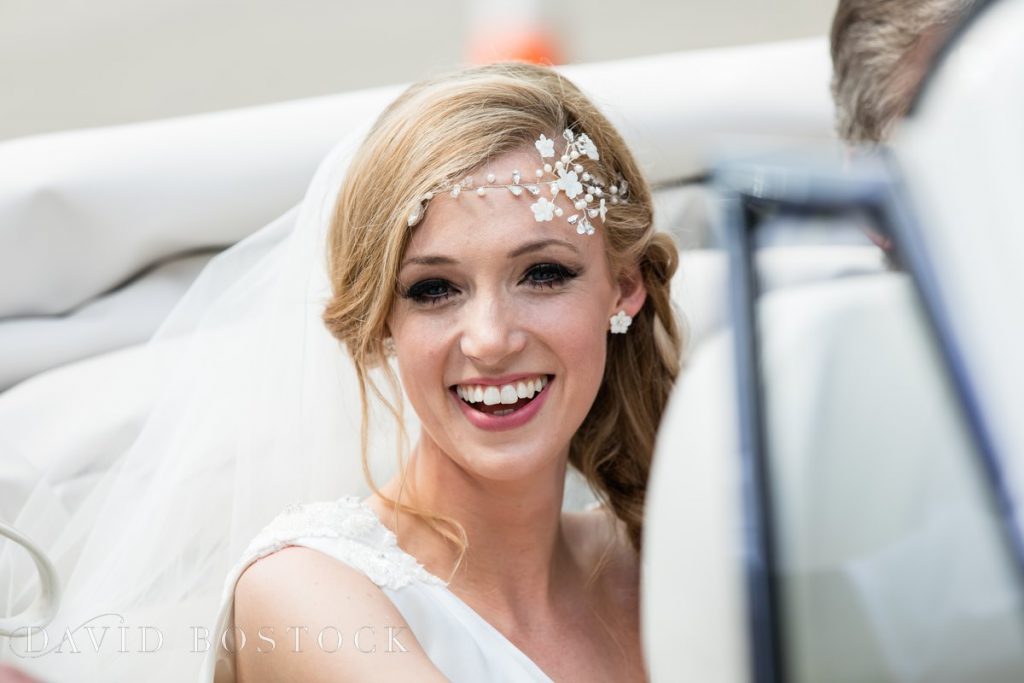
x: 66, y: 64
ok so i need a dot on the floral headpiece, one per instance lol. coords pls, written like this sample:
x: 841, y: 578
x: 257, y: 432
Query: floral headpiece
x: 589, y: 194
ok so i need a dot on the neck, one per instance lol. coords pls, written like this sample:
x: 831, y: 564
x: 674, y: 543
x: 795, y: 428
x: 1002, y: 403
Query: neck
x: 518, y: 560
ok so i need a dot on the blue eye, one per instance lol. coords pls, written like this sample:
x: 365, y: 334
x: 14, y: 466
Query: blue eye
x: 549, y: 275
x: 429, y: 292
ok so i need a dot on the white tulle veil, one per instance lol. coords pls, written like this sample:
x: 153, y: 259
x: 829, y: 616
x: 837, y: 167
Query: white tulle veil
x: 258, y: 409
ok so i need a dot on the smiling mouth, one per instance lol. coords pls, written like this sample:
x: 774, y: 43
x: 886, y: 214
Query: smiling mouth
x: 504, y: 399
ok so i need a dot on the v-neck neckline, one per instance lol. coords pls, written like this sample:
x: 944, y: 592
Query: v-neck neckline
x: 442, y: 585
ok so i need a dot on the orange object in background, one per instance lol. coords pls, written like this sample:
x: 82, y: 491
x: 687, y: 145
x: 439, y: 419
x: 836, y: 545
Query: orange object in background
x: 519, y: 30
x: 527, y: 44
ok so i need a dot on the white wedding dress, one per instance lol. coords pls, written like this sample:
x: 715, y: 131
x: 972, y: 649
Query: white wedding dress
x: 460, y: 643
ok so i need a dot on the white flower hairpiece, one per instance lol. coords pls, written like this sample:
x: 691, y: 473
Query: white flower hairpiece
x: 589, y: 195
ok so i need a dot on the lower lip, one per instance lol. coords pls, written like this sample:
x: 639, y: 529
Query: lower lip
x: 498, y: 423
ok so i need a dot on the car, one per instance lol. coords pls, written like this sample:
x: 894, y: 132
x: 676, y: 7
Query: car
x: 835, y: 494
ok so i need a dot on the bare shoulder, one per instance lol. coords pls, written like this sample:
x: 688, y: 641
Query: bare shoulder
x: 302, y: 615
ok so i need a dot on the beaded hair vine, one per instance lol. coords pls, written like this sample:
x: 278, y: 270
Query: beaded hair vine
x: 589, y: 195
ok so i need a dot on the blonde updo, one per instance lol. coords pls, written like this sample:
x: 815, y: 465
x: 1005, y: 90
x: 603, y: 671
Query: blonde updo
x: 441, y: 130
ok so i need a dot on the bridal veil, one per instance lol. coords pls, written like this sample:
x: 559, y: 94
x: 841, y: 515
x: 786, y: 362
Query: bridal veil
x: 257, y: 410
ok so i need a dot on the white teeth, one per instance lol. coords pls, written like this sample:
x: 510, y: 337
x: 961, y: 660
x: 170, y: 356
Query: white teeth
x: 521, y: 390
x: 492, y: 396
x: 506, y: 394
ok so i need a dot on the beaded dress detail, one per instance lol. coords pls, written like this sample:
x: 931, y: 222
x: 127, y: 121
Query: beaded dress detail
x: 367, y: 545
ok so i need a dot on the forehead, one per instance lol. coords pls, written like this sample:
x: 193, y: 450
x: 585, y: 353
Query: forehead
x: 498, y: 221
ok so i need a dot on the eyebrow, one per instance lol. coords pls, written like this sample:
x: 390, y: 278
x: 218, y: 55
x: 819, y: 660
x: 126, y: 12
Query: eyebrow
x: 435, y: 260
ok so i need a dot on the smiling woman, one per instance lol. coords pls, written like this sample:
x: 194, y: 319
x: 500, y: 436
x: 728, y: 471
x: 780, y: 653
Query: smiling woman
x: 517, y: 304
x: 530, y: 323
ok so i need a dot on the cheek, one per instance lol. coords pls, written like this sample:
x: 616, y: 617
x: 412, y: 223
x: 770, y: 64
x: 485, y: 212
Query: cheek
x: 576, y: 332
x: 422, y: 352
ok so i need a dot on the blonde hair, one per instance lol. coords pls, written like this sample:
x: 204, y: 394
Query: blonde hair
x: 441, y: 130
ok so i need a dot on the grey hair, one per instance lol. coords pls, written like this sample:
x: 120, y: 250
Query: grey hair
x: 880, y: 49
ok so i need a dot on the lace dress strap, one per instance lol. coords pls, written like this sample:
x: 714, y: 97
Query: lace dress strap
x: 354, y: 535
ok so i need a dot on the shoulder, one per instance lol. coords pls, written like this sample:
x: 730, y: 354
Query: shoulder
x: 302, y: 615
x: 349, y: 531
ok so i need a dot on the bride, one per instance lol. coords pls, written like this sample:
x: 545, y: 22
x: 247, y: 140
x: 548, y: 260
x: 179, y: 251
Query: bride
x: 494, y: 235
x: 485, y: 255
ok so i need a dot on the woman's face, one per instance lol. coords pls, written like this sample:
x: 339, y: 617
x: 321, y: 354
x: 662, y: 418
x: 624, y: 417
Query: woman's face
x: 495, y: 305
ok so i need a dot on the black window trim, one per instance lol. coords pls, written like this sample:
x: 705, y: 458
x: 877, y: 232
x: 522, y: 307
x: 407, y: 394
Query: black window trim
x: 748, y: 189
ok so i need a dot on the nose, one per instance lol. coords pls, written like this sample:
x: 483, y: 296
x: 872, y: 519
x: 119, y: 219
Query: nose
x: 491, y: 331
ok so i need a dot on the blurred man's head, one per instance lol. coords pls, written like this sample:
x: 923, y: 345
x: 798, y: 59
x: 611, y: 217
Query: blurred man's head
x: 881, y: 50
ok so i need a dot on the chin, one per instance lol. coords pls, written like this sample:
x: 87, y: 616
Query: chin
x: 508, y: 462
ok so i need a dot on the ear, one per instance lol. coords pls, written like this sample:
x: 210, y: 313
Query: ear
x: 631, y: 291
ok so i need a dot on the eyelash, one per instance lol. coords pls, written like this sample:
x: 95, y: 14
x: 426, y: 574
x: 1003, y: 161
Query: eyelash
x: 558, y: 275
